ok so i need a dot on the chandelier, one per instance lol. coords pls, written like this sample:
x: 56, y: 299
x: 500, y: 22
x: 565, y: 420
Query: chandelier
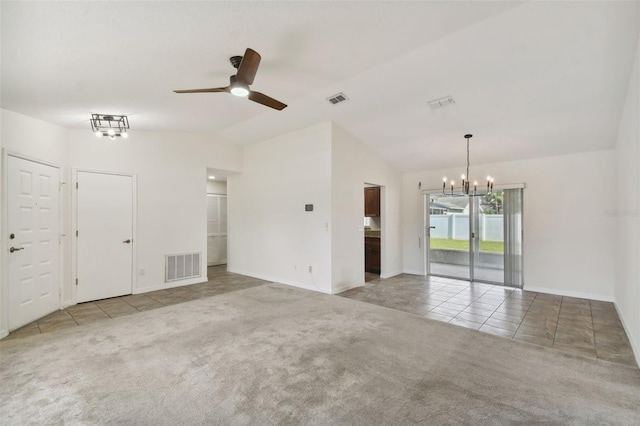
x: 113, y: 126
x: 466, y: 181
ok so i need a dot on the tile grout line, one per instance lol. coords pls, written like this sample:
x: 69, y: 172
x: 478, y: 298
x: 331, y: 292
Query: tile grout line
x: 69, y: 313
x: 558, y: 320
x: 525, y: 314
x: 593, y: 330
x: 72, y: 317
x: 106, y: 313
x: 475, y: 300
x: 484, y: 293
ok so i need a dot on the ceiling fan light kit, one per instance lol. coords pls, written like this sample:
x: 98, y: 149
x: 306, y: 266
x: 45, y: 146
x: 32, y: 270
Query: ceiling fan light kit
x: 110, y: 125
x: 238, y: 88
x: 247, y: 67
x: 466, y: 181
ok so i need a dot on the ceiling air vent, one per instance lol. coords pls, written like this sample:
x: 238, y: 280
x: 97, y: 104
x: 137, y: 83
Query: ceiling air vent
x: 441, y: 102
x: 336, y: 99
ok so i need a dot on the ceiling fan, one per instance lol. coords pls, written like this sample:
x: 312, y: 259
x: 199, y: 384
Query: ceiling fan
x: 247, y: 66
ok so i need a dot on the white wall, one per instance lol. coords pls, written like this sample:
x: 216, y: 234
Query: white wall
x: 568, y: 239
x: 45, y: 142
x: 271, y: 236
x: 352, y: 165
x: 216, y: 187
x: 626, y: 214
x: 171, y: 170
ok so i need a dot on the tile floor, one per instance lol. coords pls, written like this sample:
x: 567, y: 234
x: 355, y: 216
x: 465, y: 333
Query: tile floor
x: 576, y: 326
x: 220, y: 281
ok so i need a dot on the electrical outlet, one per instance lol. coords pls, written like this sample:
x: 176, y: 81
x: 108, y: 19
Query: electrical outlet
x: 141, y: 271
x: 310, y: 269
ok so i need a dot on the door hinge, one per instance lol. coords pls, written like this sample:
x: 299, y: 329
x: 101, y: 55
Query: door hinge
x: 76, y: 185
x: 76, y: 281
x: 76, y: 233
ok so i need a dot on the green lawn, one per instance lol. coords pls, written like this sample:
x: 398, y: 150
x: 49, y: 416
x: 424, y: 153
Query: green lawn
x: 486, y: 246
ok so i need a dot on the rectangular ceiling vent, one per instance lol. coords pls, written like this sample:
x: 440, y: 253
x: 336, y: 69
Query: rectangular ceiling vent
x: 441, y: 102
x: 182, y: 266
x: 336, y: 99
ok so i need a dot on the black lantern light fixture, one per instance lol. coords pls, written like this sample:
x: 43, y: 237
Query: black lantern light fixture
x: 112, y: 126
x: 466, y: 181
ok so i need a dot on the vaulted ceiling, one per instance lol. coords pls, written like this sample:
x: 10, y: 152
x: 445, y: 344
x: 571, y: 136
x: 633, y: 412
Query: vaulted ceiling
x: 529, y: 79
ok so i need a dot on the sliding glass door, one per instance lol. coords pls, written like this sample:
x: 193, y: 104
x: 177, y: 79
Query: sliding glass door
x: 448, y: 233
x: 488, y: 230
x: 476, y: 238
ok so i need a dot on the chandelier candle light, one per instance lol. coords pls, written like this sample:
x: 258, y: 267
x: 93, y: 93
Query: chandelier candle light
x: 466, y: 182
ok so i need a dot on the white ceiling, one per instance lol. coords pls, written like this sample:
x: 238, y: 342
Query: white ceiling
x: 529, y: 79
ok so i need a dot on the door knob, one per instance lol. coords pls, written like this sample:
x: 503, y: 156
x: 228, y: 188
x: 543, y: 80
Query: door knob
x: 127, y: 241
x: 12, y: 249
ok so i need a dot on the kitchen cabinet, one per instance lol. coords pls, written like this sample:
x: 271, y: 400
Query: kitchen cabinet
x: 372, y: 201
x: 372, y: 255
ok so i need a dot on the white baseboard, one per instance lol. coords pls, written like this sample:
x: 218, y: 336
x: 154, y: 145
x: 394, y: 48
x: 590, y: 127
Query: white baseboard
x: 390, y: 274
x: 413, y: 272
x: 277, y: 280
x: 172, y: 284
x: 4, y: 333
x: 635, y: 345
x: 346, y: 287
x: 67, y: 303
x: 569, y: 293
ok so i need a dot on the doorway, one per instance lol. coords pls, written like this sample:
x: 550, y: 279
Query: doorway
x: 216, y: 229
x: 33, y: 230
x: 105, y: 206
x: 475, y: 238
x: 372, y: 232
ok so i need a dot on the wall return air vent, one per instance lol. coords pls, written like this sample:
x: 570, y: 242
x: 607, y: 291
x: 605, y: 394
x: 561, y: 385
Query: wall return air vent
x: 182, y: 266
x: 337, y: 98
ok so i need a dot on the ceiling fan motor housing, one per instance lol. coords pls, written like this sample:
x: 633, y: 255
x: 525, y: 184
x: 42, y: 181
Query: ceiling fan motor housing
x: 235, y: 61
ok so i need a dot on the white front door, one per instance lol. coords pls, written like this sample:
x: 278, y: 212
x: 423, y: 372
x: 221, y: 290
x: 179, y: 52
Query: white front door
x: 33, y: 240
x: 216, y: 229
x: 105, y: 235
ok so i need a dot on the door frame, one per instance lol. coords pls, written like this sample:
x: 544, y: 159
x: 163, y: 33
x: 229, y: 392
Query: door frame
x: 425, y: 194
x: 426, y: 235
x: 5, y: 288
x: 226, y: 233
x: 74, y: 227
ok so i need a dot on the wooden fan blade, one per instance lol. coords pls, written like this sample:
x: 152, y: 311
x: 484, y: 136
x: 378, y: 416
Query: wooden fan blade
x: 265, y: 100
x: 212, y: 90
x: 248, y: 67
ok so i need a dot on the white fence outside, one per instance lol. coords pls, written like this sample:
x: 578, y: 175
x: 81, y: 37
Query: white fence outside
x: 456, y: 226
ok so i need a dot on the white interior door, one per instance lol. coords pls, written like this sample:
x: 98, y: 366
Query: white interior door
x: 33, y: 239
x: 216, y: 229
x: 105, y: 235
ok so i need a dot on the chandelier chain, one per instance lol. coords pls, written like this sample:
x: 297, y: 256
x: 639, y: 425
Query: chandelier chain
x: 467, y: 175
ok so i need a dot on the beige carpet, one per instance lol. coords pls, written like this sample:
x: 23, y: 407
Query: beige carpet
x: 278, y: 355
